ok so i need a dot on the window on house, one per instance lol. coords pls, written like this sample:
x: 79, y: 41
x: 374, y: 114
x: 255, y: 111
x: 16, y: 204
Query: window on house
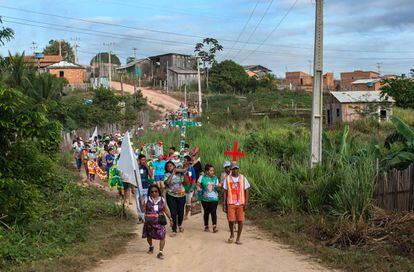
x: 301, y: 81
x: 61, y: 73
x: 337, y: 113
x: 383, y: 114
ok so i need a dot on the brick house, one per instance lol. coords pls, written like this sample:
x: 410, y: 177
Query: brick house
x: 364, y: 85
x: 74, y: 73
x: 303, y: 81
x: 349, y: 106
x: 42, y: 61
x: 348, y: 77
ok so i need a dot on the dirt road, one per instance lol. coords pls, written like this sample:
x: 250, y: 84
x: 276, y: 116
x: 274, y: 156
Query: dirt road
x: 196, y: 250
x: 156, y: 99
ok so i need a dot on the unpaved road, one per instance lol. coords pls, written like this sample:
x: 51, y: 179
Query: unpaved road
x: 196, y: 250
x: 156, y: 99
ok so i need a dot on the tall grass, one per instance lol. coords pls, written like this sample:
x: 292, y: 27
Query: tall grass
x: 277, y: 168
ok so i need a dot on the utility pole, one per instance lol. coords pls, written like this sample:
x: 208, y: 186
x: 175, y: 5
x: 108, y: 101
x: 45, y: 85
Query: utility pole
x: 200, y: 110
x: 379, y: 64
x: 167, y: 78
x: 110, y: 45
x: 34, y: 47
x: 75, y: 48
x: 185, y: 95
x: 310, y: 67
x: 60, y: 47
x: 135, y: 52
x: 317, y: 115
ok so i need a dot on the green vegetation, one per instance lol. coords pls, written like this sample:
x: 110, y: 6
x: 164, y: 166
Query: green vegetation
x: 327, y: 211
x: 401, y: 89
x: 47, y: 220
x: 230, y: 77
x: 66, y: 49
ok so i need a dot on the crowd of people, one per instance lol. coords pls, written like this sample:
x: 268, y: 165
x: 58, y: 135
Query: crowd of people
x: 171, y: 185
x: 191, y: 108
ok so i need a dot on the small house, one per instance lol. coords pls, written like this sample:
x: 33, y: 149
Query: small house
x: 74, y: 73
x: 137, y: 68
x: 349, y: 106
x: 178, y: 77
x: 257, y: 71
x: 41, y: 61
x: 364, y: 85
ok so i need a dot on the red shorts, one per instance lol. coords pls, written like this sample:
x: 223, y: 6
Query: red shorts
x: 235, y: 213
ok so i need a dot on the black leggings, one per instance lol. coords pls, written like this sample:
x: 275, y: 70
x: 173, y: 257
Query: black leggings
x: 210, y: 208
x: 176, y: 206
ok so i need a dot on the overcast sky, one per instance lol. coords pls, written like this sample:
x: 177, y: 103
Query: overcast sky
x: 358, y: 33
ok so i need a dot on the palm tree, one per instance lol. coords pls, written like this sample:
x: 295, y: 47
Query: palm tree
x: 45, y: 87
x: 6, y: 33
x: 404, y: 157
x: 16, y: 72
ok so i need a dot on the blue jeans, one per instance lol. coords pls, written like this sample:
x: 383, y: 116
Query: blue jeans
x: 144, y: 194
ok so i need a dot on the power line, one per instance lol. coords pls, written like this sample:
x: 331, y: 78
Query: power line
x: 255, y: 29
x: 197, y: 36
x: 274, y: 29
x: 249, y: 50
x: 243, y: 29
x: 264, y: 52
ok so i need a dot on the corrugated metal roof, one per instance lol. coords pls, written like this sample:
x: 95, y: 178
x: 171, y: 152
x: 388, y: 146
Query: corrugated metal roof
x: 361, y: 97
x: 65, y: 64
x: 366, y: 81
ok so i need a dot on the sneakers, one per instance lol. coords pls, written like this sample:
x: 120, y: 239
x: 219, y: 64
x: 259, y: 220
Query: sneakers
x: 160, y: 255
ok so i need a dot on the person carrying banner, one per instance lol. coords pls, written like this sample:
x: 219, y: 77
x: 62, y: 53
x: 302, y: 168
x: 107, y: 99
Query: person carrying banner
x: 145, y: 174
x: 190, y: 178
x: 235, y: 200
x: 155, y: 210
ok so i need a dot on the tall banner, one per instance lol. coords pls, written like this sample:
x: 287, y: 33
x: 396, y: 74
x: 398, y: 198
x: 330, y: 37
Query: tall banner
x: 128, y: 164
x: 94, y: 134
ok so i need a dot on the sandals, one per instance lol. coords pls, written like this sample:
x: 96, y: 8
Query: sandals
x: 151, y: 250
x: 238, y: 243
x: 160, y: 255
x: 206, y: 229
x: 215, y: 230
x: 181, y: 229
x: 230, y: 240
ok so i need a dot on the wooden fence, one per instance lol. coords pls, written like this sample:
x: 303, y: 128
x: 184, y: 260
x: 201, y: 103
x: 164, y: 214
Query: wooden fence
x: 395, y: 190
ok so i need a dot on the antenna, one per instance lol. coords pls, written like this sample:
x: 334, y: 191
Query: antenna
x: 379, y: 65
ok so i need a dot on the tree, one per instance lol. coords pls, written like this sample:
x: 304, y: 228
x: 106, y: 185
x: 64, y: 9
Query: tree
x: 404, y: 156
x: 401, y: 89
x: 6, y: 33
x: 15, y: 72
x: 104, y: 58
x: 67, y: 50
x: 228, y: 76
x: 46, y: 87
x: 208, y: 56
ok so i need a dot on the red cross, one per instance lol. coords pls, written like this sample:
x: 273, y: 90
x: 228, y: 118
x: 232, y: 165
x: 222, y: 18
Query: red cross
x: 235, y: 153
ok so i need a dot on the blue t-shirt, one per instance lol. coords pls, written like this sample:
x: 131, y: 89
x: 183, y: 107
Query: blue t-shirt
x: 109, y: 157
x: 159, y: 167
x: 143, y: 171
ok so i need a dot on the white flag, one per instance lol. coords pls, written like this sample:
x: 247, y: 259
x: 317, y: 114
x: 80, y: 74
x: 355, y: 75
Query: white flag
x: 94, y: 134
x: 128, y: 164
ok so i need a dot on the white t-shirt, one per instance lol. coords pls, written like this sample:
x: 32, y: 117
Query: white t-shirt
x: 236, y: 180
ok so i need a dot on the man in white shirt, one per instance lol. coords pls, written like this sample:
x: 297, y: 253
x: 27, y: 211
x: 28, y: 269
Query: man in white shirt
x: 235, y: 200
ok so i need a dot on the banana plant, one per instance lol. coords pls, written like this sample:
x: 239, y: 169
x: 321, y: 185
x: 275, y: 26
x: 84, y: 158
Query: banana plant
x: 404, y: 157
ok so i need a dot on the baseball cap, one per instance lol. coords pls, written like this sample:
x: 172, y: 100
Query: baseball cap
x: 234, y: 165
x: 226, y: 164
